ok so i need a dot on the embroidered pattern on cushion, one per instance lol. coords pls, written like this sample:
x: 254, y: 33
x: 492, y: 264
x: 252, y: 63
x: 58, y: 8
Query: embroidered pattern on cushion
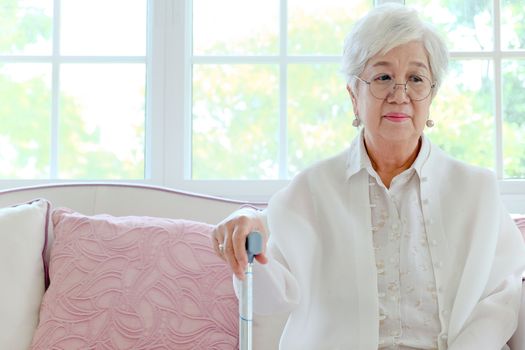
x: 135, y: 283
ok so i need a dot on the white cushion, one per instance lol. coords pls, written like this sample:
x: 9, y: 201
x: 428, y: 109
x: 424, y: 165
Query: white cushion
x: 23, y: 234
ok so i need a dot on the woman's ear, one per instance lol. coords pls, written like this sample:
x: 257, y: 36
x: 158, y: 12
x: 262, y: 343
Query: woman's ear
x: 353, y: 98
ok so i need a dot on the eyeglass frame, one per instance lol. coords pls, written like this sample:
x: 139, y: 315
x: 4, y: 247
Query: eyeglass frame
x: 432, y: 86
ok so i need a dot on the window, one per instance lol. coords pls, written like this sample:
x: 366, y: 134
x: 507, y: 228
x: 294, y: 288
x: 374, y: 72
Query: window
x: 232, y: 97
x: 267, y: 111
x: 268, y: 100
x: 73, y: 77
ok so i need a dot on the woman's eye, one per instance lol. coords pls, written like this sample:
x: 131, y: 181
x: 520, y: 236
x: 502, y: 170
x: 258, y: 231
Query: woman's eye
x: 415, y: 78
x: 383, y: 77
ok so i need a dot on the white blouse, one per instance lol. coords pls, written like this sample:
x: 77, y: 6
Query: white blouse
x: 408, y: 309
x: 322, y: 265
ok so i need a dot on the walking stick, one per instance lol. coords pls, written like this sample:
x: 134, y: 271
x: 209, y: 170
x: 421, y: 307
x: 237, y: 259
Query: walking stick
x: 253, y: 247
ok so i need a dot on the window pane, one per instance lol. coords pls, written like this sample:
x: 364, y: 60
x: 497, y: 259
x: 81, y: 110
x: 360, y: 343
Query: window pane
x: 466, y: 25
x: 514, y: 119
x: 102, y: 121
x: 319, y: 27
x: 103, y: 27
x: 319, y: 114
x: 235, y: 121
x: 235, y: 27
x: 26, y: 27
x: 512, y: 24
x: 25, y: 113
x: 463, y: 113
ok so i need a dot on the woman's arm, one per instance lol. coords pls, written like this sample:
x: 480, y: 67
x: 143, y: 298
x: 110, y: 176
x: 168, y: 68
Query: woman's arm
x: 494, y: 319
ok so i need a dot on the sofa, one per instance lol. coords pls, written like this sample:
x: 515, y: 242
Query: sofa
x: 123, y: 266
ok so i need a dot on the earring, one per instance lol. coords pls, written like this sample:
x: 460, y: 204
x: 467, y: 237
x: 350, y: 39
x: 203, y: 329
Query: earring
x: 356, y: 122
x: 430, y: 123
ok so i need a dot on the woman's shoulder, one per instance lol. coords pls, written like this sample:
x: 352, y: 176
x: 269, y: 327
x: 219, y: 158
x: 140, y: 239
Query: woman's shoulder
x: 318, y: 176
x: 332, y: 168
x: 450, y: 168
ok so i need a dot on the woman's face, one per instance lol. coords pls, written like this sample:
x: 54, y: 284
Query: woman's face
x: 396, y: 117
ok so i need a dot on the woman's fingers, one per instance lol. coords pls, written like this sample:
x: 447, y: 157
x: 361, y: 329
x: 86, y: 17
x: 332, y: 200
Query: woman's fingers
x: 240, y: 232
x: 217, y: 239
x: 231, y: 257
x: 224, y: 239
x: 261, y: 258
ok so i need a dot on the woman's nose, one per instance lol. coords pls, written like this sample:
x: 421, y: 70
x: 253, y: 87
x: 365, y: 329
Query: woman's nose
x: 398, y: 93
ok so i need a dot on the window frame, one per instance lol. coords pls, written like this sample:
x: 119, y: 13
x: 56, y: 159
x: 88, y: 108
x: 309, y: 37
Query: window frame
x: 168, y: 105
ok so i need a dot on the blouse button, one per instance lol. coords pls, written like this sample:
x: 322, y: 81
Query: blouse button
x: 434, y: 242
x: 381, y: 294
x: 438, y: 264
x: 382, y: 317
x: 392, y: 286
x: 444, y: 336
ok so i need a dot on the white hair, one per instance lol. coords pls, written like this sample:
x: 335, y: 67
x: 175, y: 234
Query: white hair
x: 384, y: 28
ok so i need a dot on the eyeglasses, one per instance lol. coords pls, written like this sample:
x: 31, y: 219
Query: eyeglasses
x: 417, y: 87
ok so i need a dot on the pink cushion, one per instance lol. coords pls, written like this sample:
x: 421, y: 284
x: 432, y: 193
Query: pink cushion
x: 135, y: 283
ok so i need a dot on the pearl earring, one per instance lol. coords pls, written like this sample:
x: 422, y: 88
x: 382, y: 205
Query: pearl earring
x: 430, y: 123
x: 356, y: 122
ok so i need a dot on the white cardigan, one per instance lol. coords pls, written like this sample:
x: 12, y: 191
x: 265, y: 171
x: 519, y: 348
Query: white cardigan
x: 322, y: 265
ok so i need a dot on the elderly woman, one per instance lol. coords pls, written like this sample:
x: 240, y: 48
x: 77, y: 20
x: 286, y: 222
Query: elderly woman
x: 392, y: 243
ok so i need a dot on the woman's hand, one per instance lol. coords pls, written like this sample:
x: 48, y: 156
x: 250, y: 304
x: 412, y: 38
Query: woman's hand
x: 229, y: 239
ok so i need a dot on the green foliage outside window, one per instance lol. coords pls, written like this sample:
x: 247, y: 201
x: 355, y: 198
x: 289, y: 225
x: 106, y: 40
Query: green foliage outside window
x: 319, y: 111
x: 25, y: 112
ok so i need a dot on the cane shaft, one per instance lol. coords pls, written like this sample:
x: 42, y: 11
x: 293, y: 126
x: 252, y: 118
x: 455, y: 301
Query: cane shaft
x: 245, y: 311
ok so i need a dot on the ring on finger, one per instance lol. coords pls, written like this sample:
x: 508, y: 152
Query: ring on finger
x: 221, y: 248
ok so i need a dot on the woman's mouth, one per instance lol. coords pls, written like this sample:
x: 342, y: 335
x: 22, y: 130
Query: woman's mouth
x: 396, y: 117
